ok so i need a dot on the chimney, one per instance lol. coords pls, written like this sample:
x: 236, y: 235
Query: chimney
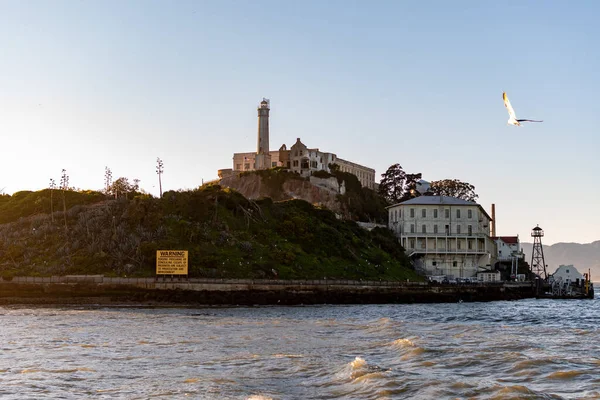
x: 493, y: 224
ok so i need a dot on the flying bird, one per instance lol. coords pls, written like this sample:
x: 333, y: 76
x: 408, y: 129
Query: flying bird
x: 512, y: 120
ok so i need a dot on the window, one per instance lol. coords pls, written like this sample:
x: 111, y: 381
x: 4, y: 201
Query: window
x: 458, y: 245
x: 434, y: 263
x: 246, y: 166
x: 424, y: 229
x: 391, y: 215
x: 400, y: 213
x: 447, y: 213
x: 457, y: 213
x: 435, y: 213
x: 435, y: 229
x: 396, y: 215
x: 313, y: 164
x: 238, y: 167
x: 412, y: 228
x: 469, y: 213
x: 295, y: 163
x: 447, y: 229
x: 454, y: 264
x: 470, y: 230
x: 470, y: 244
x: 567, y: 271
x: 412, y: 243
x: 458, y: 229
x: 412, y: 212
x: 422, y: 244
x: 423, y: 213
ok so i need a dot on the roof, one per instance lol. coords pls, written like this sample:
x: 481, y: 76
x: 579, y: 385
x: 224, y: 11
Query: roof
x: 507, y: 239
x: 440, y: 200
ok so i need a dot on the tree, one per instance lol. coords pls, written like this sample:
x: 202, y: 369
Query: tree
x: 453, y: 188
x: 121, y: 187
x: 159, y: 171
x: 64, y: 186
x: 397, y: 186
x: 107, y: 180
x: 52, y: 186
x: 410, y: 186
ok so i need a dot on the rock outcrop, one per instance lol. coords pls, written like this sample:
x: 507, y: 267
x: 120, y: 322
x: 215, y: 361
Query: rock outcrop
x: 319, y: 192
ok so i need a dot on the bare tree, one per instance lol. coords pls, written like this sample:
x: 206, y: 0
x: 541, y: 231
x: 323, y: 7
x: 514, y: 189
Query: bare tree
x: 159, y: 171
x: 107, y: 179
x: 52, y: 186
x: 64, y: 186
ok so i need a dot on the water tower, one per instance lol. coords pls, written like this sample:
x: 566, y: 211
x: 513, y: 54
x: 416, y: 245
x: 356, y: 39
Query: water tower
x: 538, y: 265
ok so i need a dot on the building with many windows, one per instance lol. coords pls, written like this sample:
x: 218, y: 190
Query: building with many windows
x: 299, y: 158
x: 444, y: 235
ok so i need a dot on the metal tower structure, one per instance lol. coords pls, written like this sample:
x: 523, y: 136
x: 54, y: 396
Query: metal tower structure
x: 538, y: 265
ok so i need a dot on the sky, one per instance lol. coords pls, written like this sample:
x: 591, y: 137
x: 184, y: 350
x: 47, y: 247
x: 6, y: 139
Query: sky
x: 86, y: 85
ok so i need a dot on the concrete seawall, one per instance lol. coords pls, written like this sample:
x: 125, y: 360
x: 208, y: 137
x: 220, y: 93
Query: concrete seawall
x: 99, y: 289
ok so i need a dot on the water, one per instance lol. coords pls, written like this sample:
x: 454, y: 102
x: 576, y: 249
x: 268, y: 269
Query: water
x: 532, y: 349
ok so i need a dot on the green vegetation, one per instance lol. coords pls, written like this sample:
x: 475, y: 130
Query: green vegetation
x: 227, y: 235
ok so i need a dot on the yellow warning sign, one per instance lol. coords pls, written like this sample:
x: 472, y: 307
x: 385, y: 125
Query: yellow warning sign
x: 171, y: 262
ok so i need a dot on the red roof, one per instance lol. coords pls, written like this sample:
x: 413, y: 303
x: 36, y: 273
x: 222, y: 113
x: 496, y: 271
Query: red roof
x: 507, y: 239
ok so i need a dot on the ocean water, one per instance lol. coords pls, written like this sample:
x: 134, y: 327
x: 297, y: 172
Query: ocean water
x: 530, y: 349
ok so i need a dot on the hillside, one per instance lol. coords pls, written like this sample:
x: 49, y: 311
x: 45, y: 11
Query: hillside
x: 338, y: 191
x: 226, y: 234
x: 582, y: 256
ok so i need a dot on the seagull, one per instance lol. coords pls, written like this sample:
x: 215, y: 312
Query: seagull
x: 512, y: 120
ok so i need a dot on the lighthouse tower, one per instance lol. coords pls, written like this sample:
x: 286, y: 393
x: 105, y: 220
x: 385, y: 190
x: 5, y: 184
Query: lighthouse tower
x: 538, y: 265
x: 263, y: 157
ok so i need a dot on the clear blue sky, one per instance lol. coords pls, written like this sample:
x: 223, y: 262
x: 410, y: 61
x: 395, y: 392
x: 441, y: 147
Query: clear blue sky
x: 84, y: 85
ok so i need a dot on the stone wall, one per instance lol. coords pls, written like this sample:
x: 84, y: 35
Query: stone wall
x: 62, y: 290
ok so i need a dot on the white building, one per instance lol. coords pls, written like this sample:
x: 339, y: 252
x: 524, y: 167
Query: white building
x: 488, y: 276
x: 508, y: 247
x: 568, y: 273
x: 299, y: 158
x: 444, y: 235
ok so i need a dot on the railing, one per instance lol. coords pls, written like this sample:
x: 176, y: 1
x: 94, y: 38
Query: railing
x: 443, y: 235
x: 447, y: 251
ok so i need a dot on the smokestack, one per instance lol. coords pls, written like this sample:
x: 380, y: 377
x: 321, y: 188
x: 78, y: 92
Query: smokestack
x: 493, y: 224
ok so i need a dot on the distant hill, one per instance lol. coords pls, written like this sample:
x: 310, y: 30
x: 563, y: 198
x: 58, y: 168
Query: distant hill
x: 582, y: 256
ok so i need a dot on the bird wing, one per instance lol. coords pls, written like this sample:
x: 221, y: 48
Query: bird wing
x: 509, y: 108
x: 528, y: 120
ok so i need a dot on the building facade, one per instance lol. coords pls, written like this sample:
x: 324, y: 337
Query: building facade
x: 566, y: 273
x: 509, y: 247
x: 299, y: 158
x: 365, y: 175
x: 444, y: 235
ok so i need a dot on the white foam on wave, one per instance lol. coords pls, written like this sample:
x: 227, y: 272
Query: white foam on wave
x: 403, y: 343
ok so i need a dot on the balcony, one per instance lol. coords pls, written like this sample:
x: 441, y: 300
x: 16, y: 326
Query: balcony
x: 412, y: 251
x: 444, y: 235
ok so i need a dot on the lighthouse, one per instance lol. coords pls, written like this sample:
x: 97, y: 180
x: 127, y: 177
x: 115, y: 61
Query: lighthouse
x: 263, y: 157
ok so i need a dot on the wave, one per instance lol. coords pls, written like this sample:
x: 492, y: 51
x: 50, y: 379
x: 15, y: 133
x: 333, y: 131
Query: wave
x: 402, y: 343
x: 565, y: 374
